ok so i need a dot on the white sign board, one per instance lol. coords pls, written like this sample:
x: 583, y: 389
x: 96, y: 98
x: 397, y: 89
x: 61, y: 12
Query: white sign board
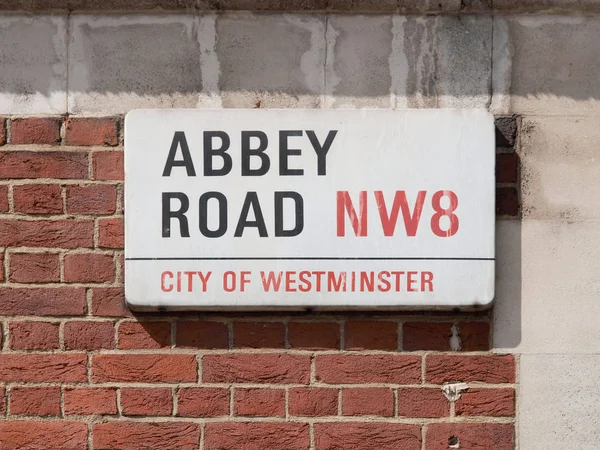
x: 265, y: 209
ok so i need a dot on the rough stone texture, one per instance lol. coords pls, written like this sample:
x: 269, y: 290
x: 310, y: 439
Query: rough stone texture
x: 368, y: 436
x: 137, y: 436
x: 545, y: 65
x: 283, y: 59
x: 560, y: 162
x: 551, y: 305
x: 573, y: 382
x: 442, y: 61
x: 152, y: 72
x: 33, y: 64
x: 357, y: 72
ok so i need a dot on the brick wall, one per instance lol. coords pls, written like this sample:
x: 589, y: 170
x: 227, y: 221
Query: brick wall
x: 79, y: 370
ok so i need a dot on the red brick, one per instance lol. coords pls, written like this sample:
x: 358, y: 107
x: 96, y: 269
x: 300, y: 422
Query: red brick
x: 469, y: 436
x: 108, y: 166
x: 202, y: 334
x: 91, y: 131
x: 259, y: 402
x: 2, y: 130
x: 461, y: 368
x: 313, y: 402
x: 90, y: 401
x: 35, y: 130
x: 35, y: 368
x: 3, y: 199
x: 367, y: 436
x: 38, y: 199
x: 474, y: 336
x: 314, y: 335
x: 34, y: 267
x: 507, y: 201
x: 51, y: 301
x: 138, y: 435
x: 507, y: 167
x: 89, y: 268
x: 486, y: 402
x: 203, y: 402
x: 352, y: 368
x: 368, y: 402
x: 33, y: 336
x: 110, y: 233
x: 64, y: 165
x: 426, y: 336
x: 422, y: 402
x: 64, y: 233
x: 2, y: 401
x: 35, y: 401
x: 109, y: 302
x: 92, y: 199
x: 256, y: 436
x: 144, y: 335
x: 146, y: 402
x: 25, y: 434
x: 256, y: 368
x: 371, y: 335
x: 89, y: 335
x: 258, y: 335
x: 148, y: 368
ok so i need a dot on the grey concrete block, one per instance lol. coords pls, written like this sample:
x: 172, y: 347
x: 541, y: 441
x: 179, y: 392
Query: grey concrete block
x: 442, y: 61
x: 547, y: 64
x: 358, y: 70
x: 33, y: 65
x: 122, y: 62
x: 559, y: 402
x: 547, y: 300
x: 271, y: 61
x: 560, y: 163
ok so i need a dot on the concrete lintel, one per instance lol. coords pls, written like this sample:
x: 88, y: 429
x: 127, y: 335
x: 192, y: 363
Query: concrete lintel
x: 333, y: 6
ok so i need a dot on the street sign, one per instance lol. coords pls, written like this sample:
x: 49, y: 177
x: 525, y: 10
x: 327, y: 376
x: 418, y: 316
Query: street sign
x: 270, y: 209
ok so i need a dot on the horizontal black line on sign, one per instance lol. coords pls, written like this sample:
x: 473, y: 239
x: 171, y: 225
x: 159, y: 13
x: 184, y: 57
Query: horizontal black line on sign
x: 307, y: 258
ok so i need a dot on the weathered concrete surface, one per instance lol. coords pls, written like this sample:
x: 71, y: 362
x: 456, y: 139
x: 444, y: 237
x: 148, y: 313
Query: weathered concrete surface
x: 560, y: 167
x: 358, y: 6
x: 358, y: 69
x: 33, y: 71
x: 556, y: 307
x: 271, y: 61
x: 559, y: 402
x: 118, y: 63
x: 546, y: 65
x: 442, y: 61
